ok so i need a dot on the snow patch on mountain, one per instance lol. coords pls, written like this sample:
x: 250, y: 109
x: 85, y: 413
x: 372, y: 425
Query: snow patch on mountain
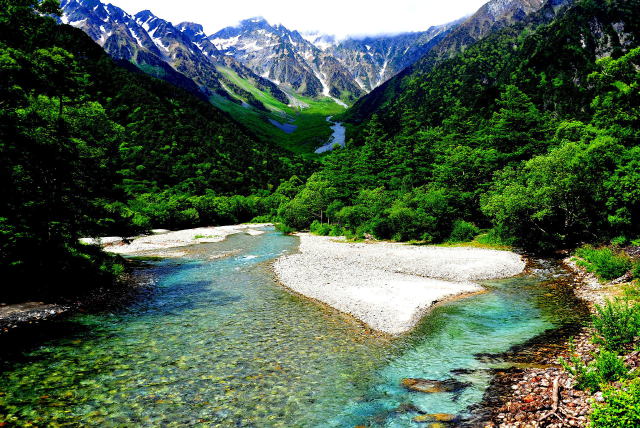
x: 225, y: 44
x: 135, y: 36
x: 320, y: 40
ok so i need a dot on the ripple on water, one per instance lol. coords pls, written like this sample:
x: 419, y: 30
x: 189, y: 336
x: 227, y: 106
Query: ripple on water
x: 219, y: 343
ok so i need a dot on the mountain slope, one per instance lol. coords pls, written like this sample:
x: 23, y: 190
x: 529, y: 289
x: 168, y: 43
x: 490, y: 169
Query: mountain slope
x: 90, y: 147
x: 374, y: 60
x: 533, y: 130
x: 184, y: 56
x: 285, y: 57
x: 256, y: 72
x: 491, y: 17
x: 180, y: 54
x: 317, y: 64
x: 121, y: 36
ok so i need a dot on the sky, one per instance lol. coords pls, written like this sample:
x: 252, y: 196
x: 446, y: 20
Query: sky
x: 337, y: 17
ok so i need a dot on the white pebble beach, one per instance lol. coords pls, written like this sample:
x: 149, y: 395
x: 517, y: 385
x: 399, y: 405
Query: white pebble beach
x: 151, y: 244
x: 389, y: 286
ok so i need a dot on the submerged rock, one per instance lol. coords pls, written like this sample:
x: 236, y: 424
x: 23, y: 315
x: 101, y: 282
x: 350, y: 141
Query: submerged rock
x: 437, y: 417
x: 428, y: 386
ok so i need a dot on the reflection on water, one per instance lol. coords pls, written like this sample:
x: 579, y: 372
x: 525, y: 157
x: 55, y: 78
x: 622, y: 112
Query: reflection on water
x: 219, y: 343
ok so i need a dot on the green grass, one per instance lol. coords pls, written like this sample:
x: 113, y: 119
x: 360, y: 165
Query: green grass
x: 266, y: 98
x: 313, y: 129
x: 488, y: 240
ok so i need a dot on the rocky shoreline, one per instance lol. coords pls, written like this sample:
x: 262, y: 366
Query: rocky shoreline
x: 536, y: 391
x: 17, y: 317
x: 29, y: 313
x: 167, y: 244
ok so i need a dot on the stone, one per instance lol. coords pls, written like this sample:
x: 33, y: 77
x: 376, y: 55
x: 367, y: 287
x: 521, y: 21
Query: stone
x: 428, y: 386
x: 436, y: 417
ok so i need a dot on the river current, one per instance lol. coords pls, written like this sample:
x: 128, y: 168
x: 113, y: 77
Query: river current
x: 217, y: 342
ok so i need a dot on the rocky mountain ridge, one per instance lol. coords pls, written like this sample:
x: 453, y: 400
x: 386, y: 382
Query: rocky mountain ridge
x: 317, y: 63
x: 271, y: 57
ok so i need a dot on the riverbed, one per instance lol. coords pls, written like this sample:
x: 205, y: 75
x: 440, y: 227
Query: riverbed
x: 217, y: 342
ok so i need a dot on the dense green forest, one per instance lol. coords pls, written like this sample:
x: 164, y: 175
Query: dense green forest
x: 90, y: 147
x: 531, y: 133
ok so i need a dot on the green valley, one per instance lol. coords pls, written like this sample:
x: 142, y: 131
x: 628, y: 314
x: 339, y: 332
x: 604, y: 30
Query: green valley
x: 307, y: 115
x: 490, y: 166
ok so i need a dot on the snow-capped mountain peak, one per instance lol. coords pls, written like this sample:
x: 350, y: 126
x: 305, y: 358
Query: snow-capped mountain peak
x: 311, y: 64
x: 320, y: 40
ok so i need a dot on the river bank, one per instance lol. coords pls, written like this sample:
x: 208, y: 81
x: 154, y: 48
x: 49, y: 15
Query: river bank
x: 168, y: 243
x: 160, y: 244
x: 16, y: 317
x: 536, y: 391
x: 214, y: 361
x: 389, y: 286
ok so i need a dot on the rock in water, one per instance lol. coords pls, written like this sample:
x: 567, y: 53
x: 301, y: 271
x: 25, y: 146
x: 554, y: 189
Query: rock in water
x: 428, y: 386
x: 436, y: 417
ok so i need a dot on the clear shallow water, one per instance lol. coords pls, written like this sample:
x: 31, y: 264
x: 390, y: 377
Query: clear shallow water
x: 219, y: 343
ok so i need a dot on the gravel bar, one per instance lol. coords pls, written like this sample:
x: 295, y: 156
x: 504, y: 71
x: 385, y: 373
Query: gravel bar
x: 389, y: 286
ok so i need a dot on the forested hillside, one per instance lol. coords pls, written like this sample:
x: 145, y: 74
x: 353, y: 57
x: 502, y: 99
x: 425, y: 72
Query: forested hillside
x: 489, y: 19
x: 90, y: 147
x: 531, y: 132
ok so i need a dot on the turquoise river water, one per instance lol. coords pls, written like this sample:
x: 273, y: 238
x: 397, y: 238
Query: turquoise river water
x: 217, y: 342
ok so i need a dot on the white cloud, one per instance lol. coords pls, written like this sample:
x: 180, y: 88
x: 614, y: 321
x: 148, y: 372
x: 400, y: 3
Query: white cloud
x: 339, y: 17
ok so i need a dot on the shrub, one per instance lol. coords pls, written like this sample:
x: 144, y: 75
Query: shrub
x: 463, y: 231
x: 603, y: 262
x: 321, y: 229
x: 635, y: 271
x: 495, y: 238
x: 284, y: 228
x: 619, y: 241
x: 621, y: 407
x: 605, y: 367
x: 586, y: 377
x: 353, y: 235
x: 617, y: 324
x: 353, y: 216
x: 405, y: 224
x: 632, y: 291
x: 336, y: 231
x: 610, y: 367
x: 261, y: 219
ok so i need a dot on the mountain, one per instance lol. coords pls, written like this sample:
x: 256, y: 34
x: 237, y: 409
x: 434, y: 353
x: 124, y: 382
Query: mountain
x: 491, y: 17
x: 532, y: 132
x: 272, y: 58
x: 287, y: 58
x: 92, y: 145
x: 374, y: 60
x: 314, y: 64
x: 122, y: 38
x: 180, y: 54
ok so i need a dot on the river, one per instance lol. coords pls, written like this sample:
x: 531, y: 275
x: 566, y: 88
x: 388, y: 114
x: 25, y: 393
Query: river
x: 217, y: 342
x: 338, y: 136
